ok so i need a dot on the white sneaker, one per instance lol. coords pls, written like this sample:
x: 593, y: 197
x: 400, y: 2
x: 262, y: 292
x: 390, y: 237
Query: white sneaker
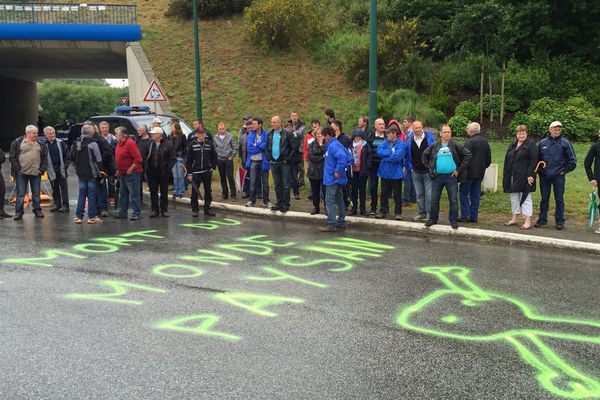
x: 249, y: 204
x: 269, y: 205
x: 597, y: 230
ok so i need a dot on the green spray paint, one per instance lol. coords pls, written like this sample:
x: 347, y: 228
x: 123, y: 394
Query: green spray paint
x: 256, y: 303
x: 49, y: 255
x: 212, y: 256
x: 207, y: 321
x: 290, y: 262
x: 280, y: 275
x: 213, y: 224
x: 120, y: 288
x: 353, y: 255
x: 118, y: 240
x: 365, y: 245
x: 96, y: 248
x: 255, y: 239
x: 256, y: 249
x: 194, y: 271
x: 147, y: 234
x: 553, y: 373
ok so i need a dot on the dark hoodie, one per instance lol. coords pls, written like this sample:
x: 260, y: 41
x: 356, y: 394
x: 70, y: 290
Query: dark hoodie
x: 86, y: 156
x: 366, y: 153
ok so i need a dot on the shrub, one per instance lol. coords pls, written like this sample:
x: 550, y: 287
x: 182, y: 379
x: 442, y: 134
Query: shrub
x: 288, y: 24
x: 467, y: 109
x: 526, y: 83
x: 579, y: 117
x: 335, y: 50
x: 511, y: 104
x: 404, y: 102
x: 206, y: 8
x: 458, y: 124
x: 462, y: 73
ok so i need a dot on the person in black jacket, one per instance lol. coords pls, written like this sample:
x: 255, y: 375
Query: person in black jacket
x: 3, y: 214
x: 593, y: 157
x: 362, y: 157
x: 280, y: 154
x: 179, y: 142
x: 316, y: 165
x: 87, y: 158
x: 58, y: 164
x: 375, y: 139
x: 108, y: 159
x: 519, y: 176
x: 200, y: 161
x: 297, y: 164
x: 160, y: 162
x: 470, y: 187
x: 447, y: 162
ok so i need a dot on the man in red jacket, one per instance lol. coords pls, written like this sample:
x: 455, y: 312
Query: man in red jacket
x: 128, y: 161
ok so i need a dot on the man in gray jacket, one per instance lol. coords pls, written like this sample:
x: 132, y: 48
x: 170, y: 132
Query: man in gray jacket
x: 226, y: 150
x: 28, y: 161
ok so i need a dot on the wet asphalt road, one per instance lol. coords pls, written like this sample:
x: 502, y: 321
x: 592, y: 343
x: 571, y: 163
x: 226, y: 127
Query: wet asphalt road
x: 368, y: 324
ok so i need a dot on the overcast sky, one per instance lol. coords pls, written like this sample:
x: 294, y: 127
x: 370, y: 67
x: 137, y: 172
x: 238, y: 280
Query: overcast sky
x: 117, y: 82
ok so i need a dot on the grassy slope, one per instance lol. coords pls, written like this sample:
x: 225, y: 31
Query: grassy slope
x: 237, y: 78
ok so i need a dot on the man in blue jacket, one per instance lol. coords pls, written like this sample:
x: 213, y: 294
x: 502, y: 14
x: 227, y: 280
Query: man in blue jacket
x: 258, y: 163
x: 392, y: 152
x: 337, y: 160
x: 416, y: 144
x: 558, y: 154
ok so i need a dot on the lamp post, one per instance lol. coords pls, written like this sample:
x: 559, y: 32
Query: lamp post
x: 197, y: 61
x: 373, y: 63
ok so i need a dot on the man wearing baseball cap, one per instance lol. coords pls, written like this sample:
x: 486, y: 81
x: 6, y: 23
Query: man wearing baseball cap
x: 558, y: 154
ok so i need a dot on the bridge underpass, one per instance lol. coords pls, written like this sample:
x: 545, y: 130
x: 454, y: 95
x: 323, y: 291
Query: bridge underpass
x: 40, y: 41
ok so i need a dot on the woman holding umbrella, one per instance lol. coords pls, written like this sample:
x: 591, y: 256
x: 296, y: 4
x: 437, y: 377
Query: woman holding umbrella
x: 519, y: 176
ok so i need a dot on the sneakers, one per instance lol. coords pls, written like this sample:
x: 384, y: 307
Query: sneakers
x: 454, y: 224
x: 380, y: 216
x: 419, y: 218
x: 249, y: 204
x: 430, y: 222
x: 398, y: 217
x: 38, y: 213
x: 78, y: 221
x: 93, y: 221
x: 597, y: 230
x: 539, y: 224
x: 560, y: 227
x: 269, y: 205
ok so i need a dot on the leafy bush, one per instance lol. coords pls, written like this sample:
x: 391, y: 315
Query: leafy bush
x: 580, y: 119
x: 287, y: 24
x: 458, y: 124
x: 467, y: 109
x: 335, y: 50
x: 404, y: 102
x: 206, y: 8
x: 526, y: 83
x: 462, y: 73
x: 357, y: 12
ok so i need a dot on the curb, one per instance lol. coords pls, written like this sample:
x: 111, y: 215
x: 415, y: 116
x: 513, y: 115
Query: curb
x: 416, y: 227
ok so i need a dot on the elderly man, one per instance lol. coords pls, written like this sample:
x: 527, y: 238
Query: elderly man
x: 200, y: 161
x: 28, y: 159
x: 417, y: 142
x: 160, y: 162
x: 470, y: 187
x: 446, y: 161
x: 58, y: 163
x: 280, y: 149
x: 375, y: 139
x: 128, y: 161
x: 109, y: 186
x: 558, y: 154
x: 297, y: 162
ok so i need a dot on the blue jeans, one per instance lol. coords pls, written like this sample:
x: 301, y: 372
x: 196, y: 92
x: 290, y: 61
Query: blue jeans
x: 130, y: 187
x: 470, y: 194
x: 112, y: 190
x: 439, y: 182
x: 258, y: 177
x: 558, y: 182
x: 87, y: 189
x: 281, y: 180
x: 178, y: 178
x: 421, y: 181
x: 34, y: 181
x: 334, y: 197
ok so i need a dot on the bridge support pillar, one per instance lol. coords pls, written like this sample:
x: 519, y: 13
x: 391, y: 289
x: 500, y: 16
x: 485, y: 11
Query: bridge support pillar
x: 18, y: 107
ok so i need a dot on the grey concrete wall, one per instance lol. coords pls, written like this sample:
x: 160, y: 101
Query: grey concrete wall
x: 141, y: 75
x: 18, y: 108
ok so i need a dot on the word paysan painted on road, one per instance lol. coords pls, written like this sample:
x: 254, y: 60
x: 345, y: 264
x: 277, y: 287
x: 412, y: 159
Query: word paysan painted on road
x: 338, y: 256
x: 467, y: 306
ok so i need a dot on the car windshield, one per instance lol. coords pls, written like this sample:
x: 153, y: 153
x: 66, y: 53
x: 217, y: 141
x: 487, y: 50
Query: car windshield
x: 147, y: 120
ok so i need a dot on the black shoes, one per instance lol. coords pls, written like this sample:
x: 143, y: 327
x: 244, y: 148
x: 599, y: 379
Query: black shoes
x: 314, y: 211
x: 209, y: 213
x: 430, y: 223
x: 560, y: 227
x: 380, y: 216
x: 164, y: 214
x: 67, y: 210
x: 18, y: 216
x: 454, y: 224
x: 134, y: 218
x: 539, y: 224
x: 195, y: 213
x: 55, y: 209
x: 327, y: 228
x: 154, y: 214
x: 38, y: 213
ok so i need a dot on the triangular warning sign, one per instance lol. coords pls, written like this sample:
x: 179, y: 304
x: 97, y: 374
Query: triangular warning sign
x: 155, y: 93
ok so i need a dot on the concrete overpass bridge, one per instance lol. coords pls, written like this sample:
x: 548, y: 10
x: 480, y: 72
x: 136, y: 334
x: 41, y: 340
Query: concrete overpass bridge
x: 46, y: 40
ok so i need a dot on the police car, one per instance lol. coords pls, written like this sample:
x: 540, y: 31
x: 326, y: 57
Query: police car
x: 132, y: 117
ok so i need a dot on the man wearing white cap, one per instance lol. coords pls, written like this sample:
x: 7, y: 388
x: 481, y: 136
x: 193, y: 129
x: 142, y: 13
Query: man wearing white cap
x: 558, y: 154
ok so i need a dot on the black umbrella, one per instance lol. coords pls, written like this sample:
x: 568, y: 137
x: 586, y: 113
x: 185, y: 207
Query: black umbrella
x: 528, y: 186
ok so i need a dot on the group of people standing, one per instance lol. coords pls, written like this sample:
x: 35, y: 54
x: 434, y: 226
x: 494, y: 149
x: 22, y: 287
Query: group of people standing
x: 342, y: 169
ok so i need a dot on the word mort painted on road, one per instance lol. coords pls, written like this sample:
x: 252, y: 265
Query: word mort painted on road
x: 455, y: 310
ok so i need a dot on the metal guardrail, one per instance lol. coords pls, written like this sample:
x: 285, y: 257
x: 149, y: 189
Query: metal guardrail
x: 63, y: 13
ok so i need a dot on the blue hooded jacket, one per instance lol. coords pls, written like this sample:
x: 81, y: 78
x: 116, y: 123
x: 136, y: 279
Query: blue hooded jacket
x: 392, y: 159
x: 261, y: 148
x: 428, y: 137
x: 337, y: 159
x: 559, y: 156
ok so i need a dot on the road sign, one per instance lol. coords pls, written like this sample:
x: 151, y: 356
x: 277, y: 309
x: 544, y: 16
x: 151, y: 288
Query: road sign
x: 124, y: 100
x: 155, y: 93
